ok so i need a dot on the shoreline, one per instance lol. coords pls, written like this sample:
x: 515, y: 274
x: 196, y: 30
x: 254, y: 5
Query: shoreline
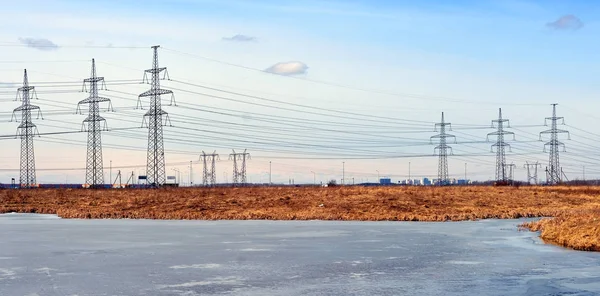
x: 574, y: 208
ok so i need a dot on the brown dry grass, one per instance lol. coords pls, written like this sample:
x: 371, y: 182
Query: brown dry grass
x: 338, y: 203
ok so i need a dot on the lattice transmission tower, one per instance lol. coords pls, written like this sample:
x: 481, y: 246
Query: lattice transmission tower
x: 94, y: 169
x: 155, y: 161
x: 239, y: 174
x: 501, y: 168
x: 442, y: 150
x: 532, y: 172
x: 26, y: 130
x: 209, y: 177
x: 554, y: 173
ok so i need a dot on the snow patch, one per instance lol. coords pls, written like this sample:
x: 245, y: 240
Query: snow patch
x: 196, y: 266
x: 231, y: 280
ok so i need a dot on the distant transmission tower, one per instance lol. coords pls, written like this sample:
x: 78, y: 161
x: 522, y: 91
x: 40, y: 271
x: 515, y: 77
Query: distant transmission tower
x: 94, y: 170
x: 209, y: 177
x: 26, y: 131
x: 442, y: 150
x: 511, y: 172
x: 532, y: 172
x: 554, y: 173
x: 239, y: 174
x: 500, y: 145
x: 155, y: 162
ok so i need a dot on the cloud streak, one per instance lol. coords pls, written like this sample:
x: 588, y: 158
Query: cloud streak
x: 566, y: 22
x: 288, y: 68
x: 240, y: 38
x: 39, y: 43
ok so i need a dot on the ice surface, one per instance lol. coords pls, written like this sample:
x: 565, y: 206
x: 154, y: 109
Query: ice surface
x: 44, y: 255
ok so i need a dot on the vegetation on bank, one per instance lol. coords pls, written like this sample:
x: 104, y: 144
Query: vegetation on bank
x: 575, y: 208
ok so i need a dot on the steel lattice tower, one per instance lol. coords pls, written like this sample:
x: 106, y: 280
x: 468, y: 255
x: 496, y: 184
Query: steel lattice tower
x: 94, y: 170
x: 532, y: 167
x: 155, y: 162
x: 554, y: 172
x: 500, y: 145
x: 239, y: 174
x: 442, y: 150
x: 26, y: 130
x: 209, y: 177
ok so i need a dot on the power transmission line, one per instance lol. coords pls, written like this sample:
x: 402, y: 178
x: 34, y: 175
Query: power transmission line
x: 94, y: 175
x: 155, y: 167
x: 554, y: 173
x: 442, y: 149
x: 532, y: 172
x: 239, y: 174
x: 27, y: 130
x: 500, y: 146
x: 209, y: 177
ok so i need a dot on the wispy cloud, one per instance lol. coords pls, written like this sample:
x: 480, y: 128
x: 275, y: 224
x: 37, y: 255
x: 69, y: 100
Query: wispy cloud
x: 39, y: 43
x: 288, y: 68
x: 241, y: 38
x: 566, y: 22
x: 7, y: 85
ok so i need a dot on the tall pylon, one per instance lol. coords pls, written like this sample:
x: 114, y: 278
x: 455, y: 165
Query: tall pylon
x: 26, y: 130
x: 94, y: 169
x: 500, y: 145
x: 209, y: 177
x: 532, y: 172
x: 239, y: 174
x: 554, y: 173
x: 155, y: 161
x: 442, y: 150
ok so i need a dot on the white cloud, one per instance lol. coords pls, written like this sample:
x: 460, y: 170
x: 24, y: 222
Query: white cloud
x: 566, y: 22
x: 39, y: 43
x: 288, y: 68
x: 240, y: 38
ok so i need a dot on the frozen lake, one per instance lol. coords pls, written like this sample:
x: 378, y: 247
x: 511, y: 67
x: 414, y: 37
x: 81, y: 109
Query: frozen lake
x: 44, y: 255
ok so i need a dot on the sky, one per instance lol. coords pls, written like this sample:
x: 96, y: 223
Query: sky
x: 357, y: 84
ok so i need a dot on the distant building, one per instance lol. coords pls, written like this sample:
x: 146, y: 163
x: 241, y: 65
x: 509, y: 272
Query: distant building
x: 426, y: 181
x: 416, y: 182
x: 385, y: 181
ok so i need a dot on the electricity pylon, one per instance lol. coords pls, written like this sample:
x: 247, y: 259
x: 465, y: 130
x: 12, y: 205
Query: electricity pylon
x: 26, y: 130
x: 554, y: 173
x: 94, y: 169
x: 209, y: 177
x: 532, y: 172
x: 500, y: 145
x: 155, y: 162
x: 239, y: 174
x: 442, y: 150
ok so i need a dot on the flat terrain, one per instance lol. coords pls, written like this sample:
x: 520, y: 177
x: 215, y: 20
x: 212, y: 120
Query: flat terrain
x: 44, y: 255
x: 577, y: 208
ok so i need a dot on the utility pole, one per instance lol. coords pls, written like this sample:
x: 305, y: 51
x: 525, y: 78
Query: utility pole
x: 378, y: 179
x: 343, y: 172
x: 239, y: 174
x: 110, y: 171
x: 177, y: 176
x: 583, y: 173
x: 554, y: 172
x: 500, y: 145
x: 465, y: 172
x: 409, y: 180
x: 155, y: 162
x: 532, y: 172
x: 26, y: 130
x: 314, y: 178
x: 442, y: 149
x: 191, y: 178
x: 270, y: 183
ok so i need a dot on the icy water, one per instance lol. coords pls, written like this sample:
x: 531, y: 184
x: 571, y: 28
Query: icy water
x: 44, y: 255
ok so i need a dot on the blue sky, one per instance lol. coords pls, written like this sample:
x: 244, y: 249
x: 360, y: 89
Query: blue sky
x: 467, y: 58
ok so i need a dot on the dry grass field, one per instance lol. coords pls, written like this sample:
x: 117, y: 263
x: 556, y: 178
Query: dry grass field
x: 575, y: 208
